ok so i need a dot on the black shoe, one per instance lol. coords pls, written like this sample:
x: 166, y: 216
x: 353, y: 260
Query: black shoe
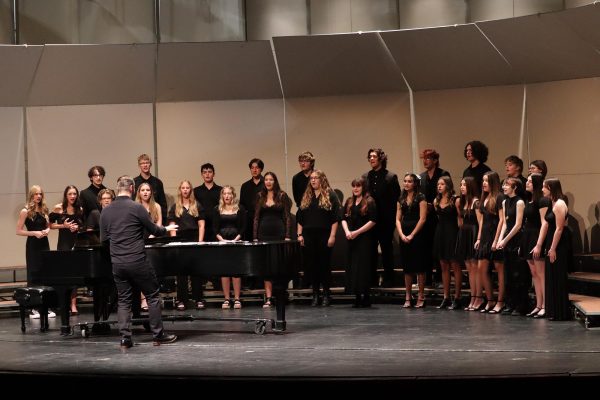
x: 508, y: 311
x: 126, y: 343
x: 326, y: 301
x: 455, y: 305
x: 516, y: 313
x: 315, y: 300
x: 165, y: 338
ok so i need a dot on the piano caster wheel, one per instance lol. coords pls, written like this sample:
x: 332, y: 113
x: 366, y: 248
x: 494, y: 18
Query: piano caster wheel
x: 85, y: 332
x: 260, y: 327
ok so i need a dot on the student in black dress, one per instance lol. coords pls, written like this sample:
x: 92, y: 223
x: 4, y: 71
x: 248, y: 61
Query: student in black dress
x: 476, y: 154
x: 384, y: 188
x: 158, y: 190
x: 67, y: 217
x: 33, y: 223
x: 467, y: 235
x: 538, y: 167
x: 301, y: 179
x: 272, y: 220
x: 489, y: 230
x: 429, y: 181
x: 514, y: 169
x: 559, y: 254
x: 447, y: 207
x: 533, y: 237
x: 229, y: 224
x: 145, y: 196
x: 189, y: 215
x: 360, y: 216
x: 317, y: 219
x: 410, y: 218
x: 89, y: 196
x: 249, y: 193
x: 515, y: 289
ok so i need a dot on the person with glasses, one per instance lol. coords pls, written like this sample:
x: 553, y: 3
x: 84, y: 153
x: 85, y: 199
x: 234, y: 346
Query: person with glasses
x: 300, y: 181
x: 317, y: 219
x: 158, y: 190
x: 476, y: 154
x: 384, y: 187
x: 89, y: 195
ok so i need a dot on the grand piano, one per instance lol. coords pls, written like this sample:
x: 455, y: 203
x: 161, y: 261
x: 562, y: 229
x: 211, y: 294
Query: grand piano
x: 90, y: 266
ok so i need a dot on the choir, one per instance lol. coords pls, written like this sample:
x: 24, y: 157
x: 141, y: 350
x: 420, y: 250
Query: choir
x: 516, y: 225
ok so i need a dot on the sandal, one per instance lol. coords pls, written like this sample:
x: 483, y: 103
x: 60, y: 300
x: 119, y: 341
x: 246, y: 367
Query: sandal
x: 268, y: 302
x: 226, y: 304
x: 180, y: 305
x: 200, y: 305
x: 237, y: 304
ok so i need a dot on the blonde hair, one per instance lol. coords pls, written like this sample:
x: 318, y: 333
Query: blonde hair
x: 193, y: 210
x: 32, y: 207
x: 153, y: 209
x: 235, y: 202
x: 325, y: 189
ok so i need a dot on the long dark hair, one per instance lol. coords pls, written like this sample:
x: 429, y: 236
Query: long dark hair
x: 278, y: 194
x: 364, y: 202
x: 537, y: 181
x: 76, y: 205
x: 417, y: 184
x: 449, y: 189
x: 470, y: 196
x: 494, y: 191
x: 555, y: 188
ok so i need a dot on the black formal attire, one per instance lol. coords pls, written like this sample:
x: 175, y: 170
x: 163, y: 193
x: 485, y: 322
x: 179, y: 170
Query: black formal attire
x: 208, y: 199
x: 360, y: 267
x: 467, y: 234
x: 532, y: 223
x: 446, y: 232
x: 516, y: 271
x: 383, y: 186
x: 557, y: 302
x: 157, y: 189
x: 273, y: 222
x: 92, y: 222
x: 477, y: 174
x: 299, y: 184
x: 35, y: 246
x: 412, y: 255
x: 66, y: 238
x: 122, y: 224
x: 429, y: 189
x: 316, y: 225
x: 488, y: 232
x: 230, y: 225
x: 521, y: 192
x: 89, y: 200
x: 248, y: 195
x: 188, y: 231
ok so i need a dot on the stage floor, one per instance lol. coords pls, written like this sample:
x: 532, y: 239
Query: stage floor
x: 338, y: 343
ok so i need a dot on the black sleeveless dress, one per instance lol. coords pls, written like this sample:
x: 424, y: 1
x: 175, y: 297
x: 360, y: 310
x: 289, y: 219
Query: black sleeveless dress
x: 510, y: 217
x: 532, y: 224
x: 360, y: 266
x: 412, y: 255
x: 558, y: 306
x: 446, y: 232
x: 488, y: 232
x: 467, y: 234
x: 35, y: 246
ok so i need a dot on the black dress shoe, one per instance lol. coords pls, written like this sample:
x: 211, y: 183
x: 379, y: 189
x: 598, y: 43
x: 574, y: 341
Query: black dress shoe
x: 508, y: 311
x: 164, y: 339
x: 445, y: 303
x: 455, y: 305
x: 126, y: 343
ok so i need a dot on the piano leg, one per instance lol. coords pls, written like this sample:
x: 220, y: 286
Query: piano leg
x: 280, y: 292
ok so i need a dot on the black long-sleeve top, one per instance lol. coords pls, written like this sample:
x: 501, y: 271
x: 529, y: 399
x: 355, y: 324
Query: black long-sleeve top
x: 157, y: 189
x: 248, y: 194
x: 122, y: 223
x: 188, y: 224
x: 477, y: 174
x: 208, y: 199
x: 89, y: 199
x: 383, y: 186
x: 429, y: 185
x: 299, y: 184
x: 315, y: 217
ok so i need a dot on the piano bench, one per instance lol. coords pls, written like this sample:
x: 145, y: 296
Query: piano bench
x: 40, y: 297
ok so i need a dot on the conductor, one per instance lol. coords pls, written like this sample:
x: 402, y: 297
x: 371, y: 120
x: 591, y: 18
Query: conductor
x: 122, y: 224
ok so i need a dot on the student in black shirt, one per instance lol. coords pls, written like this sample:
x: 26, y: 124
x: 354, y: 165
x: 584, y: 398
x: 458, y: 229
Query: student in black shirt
x: 122, y: 224
x: 249, y: 192
x: 145, y: 176
x: 476, y: 154
x: 301, y: 179
x: 89, y: 196
x: 383, y: 186
x: 207, y: 195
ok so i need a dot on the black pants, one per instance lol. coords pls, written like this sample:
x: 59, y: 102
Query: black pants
x: 318, y: 257
x: 384, y: 236
x: 182, y: 288
x: 517, y: 281
x: 143, y: 276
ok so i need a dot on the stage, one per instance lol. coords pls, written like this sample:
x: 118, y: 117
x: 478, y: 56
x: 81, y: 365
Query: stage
x: 384, y: 344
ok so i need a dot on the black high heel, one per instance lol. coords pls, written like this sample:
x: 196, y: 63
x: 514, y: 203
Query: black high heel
x: 534, y: 312
x: 489, y: 306
x: 420, y: 303
x: 541, y: 313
